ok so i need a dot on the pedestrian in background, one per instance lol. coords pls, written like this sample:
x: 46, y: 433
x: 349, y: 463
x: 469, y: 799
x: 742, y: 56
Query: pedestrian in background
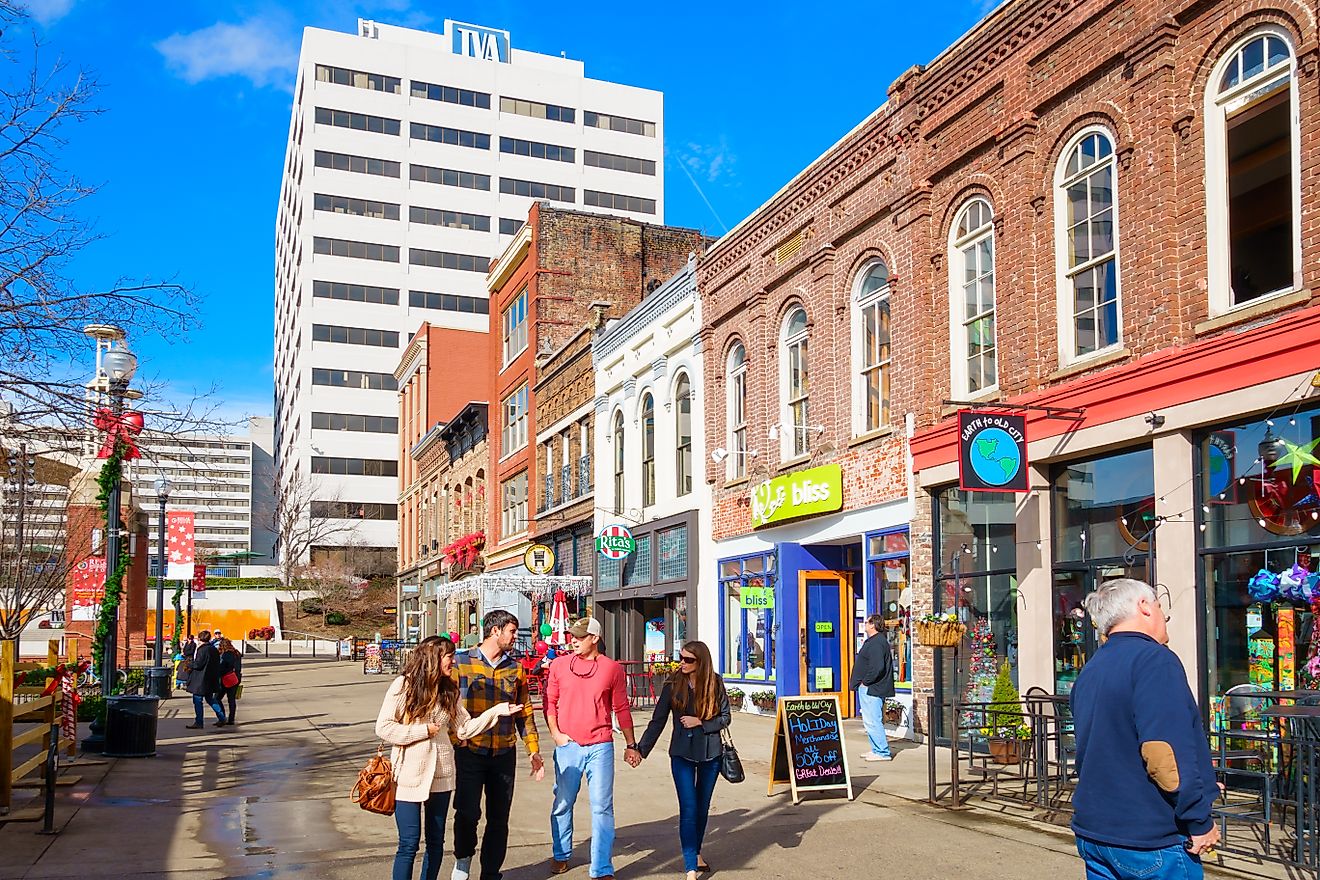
x: 487, y: 764
x: 204, y: 680
x: 1146, y: 784
x: 583, y: 690
x: 873, y: 679
x: 420, y: 713
x: 231, y: 675
x: 472, y: 639
x: 695, y: 698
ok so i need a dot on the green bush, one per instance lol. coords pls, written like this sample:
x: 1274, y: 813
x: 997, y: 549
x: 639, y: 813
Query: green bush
x: 135, y: 682
x: 336, y: 618
x: 91, y: 708
x: 1005, y: 704
x: 310, y: 606
x: 220, y: 582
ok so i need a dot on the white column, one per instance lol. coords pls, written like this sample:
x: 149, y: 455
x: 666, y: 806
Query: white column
x: 1035, y: 586
x: 1175, y: 548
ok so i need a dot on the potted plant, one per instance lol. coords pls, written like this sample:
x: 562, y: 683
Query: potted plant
x: 893, y: 712
x: 736, y: 696
x: 940, y: 629
x: 1005, y: 725
x: 764, y: 700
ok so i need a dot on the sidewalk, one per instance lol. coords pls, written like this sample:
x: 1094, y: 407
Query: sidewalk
x: 269, y: 799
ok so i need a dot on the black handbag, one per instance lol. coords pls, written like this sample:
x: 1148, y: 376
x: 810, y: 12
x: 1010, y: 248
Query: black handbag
x: 731, y: 767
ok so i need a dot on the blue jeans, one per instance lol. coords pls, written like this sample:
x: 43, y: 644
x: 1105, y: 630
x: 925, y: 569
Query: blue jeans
x: 596, y: 763
x: 1120, y: 863
x: 408, y: 817
x: 873, y: 719
x: 215, y: 704
x: 695, y: 784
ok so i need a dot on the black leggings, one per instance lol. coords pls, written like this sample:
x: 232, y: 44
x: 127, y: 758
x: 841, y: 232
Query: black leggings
x: 231, y: 694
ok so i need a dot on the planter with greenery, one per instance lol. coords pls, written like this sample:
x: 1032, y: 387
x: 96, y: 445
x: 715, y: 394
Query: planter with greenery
x: 1005, y: 727
x: 765, y: 701
x: 893, y: 712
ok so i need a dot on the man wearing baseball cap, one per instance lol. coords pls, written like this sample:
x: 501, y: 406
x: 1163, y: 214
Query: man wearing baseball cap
x: 582, y: 690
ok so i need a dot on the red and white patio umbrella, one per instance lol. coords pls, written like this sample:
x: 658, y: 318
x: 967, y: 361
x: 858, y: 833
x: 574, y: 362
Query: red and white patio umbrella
x: 559, y: 620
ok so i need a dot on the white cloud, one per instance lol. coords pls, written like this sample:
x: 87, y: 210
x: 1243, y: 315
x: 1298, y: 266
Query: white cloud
x: 261, y: 50
x: 710, y: 161
x: 48, y: 12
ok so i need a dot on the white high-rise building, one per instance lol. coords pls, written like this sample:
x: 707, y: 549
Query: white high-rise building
x: 413, y: 158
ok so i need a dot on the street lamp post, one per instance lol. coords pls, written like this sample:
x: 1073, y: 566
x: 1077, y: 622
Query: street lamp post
x: 163, y: 494
x: 118, y: 365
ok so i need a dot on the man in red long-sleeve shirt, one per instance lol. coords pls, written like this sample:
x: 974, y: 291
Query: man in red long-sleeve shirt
x: 582, y: 691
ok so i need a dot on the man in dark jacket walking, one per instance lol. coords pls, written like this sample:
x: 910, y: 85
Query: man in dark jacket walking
x: 873, y: 679
x: 204, y: 681
x: 1146, y: 784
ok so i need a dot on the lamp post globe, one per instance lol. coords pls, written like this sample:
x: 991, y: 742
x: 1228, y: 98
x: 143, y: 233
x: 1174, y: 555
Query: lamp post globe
x: 162, y: 486
x: 119, y: 364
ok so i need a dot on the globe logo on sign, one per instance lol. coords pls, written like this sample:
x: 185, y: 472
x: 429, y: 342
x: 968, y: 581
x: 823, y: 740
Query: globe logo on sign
x: 994, y: 456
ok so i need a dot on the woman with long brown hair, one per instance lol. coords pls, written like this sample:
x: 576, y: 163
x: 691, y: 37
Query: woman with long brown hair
x: 694, y: 696
x: 421, y: 711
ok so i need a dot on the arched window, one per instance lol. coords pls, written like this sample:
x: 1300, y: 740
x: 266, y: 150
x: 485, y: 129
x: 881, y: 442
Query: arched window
x: 972, y: 299
x: 794, y: 384
x: 871, y: 349
x: 683, y: 434
x: 617, y: 444
x: 1252, y: 163
x: 1086, y: 212
x: 737, y: 408
x: 648, y: 450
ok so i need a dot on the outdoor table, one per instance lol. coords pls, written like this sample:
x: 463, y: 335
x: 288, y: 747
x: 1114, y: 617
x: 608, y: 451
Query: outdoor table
x: 1041, y: 736
x: 1298, y: 694
x: 1304, y: 767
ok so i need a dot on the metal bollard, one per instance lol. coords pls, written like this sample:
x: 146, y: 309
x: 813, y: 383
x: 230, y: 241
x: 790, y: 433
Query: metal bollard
x: 52, y: 757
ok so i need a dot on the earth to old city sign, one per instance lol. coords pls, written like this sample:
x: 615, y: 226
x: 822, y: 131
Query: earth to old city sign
x: 992, y: 452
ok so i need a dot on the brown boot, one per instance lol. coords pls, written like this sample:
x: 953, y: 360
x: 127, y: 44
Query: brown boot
x: 558, y: 867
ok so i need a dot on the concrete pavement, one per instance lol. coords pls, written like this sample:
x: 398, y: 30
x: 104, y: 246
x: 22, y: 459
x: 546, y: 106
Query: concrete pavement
x: 269, y: 799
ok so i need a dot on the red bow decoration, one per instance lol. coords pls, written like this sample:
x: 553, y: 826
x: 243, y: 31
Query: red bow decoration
x: 122, y: 428
x: 62, y: 672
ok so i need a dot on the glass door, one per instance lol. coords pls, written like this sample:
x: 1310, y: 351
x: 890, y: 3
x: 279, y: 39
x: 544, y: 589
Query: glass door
x: 1075, y: 638
x: 826, y: 604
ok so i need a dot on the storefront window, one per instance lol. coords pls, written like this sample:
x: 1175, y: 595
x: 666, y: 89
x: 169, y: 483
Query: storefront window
x: 1260, y: 538
x: 637, y: 567
x: 607, y: 573
x: 747, y: 651
x: 889, y: 593
x: 673, y: 554
x: 976, y: 575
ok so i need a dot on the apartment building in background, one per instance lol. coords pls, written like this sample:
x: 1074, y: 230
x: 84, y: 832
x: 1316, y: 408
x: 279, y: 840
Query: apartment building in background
x: 413, y: 159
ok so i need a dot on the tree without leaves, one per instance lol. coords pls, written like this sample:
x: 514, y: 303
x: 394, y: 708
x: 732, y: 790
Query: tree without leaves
x: 297, y: 532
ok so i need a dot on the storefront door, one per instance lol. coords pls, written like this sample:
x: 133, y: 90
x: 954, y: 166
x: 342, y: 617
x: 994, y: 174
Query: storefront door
x: 825, y: 598
x: 1074, y: 637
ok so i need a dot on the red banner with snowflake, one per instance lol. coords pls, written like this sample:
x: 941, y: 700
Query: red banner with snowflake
x: 179, y: 547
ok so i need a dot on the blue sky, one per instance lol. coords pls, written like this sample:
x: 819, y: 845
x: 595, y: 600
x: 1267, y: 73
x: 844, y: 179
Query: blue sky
x: 196, y: 97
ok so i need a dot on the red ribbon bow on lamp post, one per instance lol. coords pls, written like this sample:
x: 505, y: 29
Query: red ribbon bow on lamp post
x: 118, y: 428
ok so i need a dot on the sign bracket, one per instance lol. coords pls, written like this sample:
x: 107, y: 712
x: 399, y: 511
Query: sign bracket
x: 1072, y: 413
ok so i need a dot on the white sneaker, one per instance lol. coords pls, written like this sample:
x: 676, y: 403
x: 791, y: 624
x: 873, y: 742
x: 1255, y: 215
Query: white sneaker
x: 462, y: 867
x: 866, y: 756
x: 874, y: 757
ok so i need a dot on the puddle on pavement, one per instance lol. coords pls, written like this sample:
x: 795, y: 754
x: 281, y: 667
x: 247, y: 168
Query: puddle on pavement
x: 251, y: 826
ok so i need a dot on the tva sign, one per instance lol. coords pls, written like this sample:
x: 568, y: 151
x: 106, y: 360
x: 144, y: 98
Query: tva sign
x: 480, y: 42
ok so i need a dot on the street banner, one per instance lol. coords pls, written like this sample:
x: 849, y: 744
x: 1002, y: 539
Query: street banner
x: 992, y: 452
x: 179, y: 547
x: 87, y: 587
x: 808, y: 753
x: 199, y: 577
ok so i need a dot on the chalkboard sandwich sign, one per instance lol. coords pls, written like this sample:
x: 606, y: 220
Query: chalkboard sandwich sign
x: 809, y: 753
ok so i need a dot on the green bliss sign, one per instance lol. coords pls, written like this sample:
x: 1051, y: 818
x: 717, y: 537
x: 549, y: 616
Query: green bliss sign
x: 801, y: 493
x: 758, y: 597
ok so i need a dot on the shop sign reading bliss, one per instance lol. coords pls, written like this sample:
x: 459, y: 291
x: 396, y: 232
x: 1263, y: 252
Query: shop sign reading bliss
x: 992, y: 452
x: 802, y: 493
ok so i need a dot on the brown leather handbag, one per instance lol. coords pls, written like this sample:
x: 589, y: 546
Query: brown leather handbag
x: 374, y: 791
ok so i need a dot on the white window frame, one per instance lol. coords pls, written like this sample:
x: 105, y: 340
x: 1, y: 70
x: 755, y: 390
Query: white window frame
x: 1064, y: 292
x: 960, y: 379
x: 513, y: 424
x: 618, y: 460
x: 648, y: 480
x: 682, y: 473
x: 735, y: 466
x: 862, y: 302
x: 515, y: 333
x: 513, y: 510
x: 794, y: 438
x: 1218, y: 257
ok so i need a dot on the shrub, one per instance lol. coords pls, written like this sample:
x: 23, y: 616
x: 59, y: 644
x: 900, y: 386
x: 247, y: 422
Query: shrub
x: 336, y: 618
x: 1005, y: 704
x: 135, y: 682
x: 736, y: 696
x: 310, y: 606
x: 257, y: 582
x: 91, y: 708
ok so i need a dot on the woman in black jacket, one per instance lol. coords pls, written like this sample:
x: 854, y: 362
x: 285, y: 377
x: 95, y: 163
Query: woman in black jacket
x: 230, y: 661
x: 696, y: 699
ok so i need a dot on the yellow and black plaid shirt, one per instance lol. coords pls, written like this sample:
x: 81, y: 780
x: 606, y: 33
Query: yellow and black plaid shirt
x: 482, y: 686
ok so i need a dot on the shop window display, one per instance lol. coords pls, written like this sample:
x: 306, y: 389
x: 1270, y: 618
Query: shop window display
x: 1260, y: 541
x: 976, y: 577
x: 889, y: 593
x: 747, y: 649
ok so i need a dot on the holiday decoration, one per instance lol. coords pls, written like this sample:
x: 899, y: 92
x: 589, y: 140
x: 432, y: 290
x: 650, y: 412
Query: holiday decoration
x: 1287, y: 628
x: 1263, y: 586
x: 981, y: 667
x: 119, y: 432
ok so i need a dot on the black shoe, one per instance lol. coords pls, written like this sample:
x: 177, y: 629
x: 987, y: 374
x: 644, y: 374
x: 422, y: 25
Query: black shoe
x: 192, y: 727
x: 220, y: 723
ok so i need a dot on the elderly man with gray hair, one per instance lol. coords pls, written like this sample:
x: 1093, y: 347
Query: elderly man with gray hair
x: 1146, y: 784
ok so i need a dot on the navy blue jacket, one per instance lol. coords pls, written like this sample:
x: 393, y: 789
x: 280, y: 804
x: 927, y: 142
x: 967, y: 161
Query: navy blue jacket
x: 1145, y: 776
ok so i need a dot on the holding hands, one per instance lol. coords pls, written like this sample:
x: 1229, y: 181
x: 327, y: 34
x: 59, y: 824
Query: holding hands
x: 632, y: 757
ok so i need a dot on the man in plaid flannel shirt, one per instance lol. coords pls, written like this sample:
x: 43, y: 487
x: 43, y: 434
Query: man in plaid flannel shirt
x: 488, y: 763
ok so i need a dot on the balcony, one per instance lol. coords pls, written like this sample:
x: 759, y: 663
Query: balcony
x: 584, y: 475
x: 548, y: 495
x: 565, y: 484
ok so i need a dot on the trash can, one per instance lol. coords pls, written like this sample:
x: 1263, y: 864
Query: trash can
x: 159, y: 682
x: 130, y: 726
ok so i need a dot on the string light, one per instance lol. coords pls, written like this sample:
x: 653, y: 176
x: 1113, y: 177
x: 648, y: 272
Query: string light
x: 1261, y: 522
x: 1205, y: 508
x: 1203, y: 527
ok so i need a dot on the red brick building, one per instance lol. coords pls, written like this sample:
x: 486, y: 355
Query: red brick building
x: 1093, y: 214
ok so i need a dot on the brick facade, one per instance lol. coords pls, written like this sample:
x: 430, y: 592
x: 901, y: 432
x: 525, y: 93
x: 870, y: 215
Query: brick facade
x: 992, y: 117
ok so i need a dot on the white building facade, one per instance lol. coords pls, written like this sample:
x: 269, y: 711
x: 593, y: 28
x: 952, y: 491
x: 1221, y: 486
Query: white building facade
x: 412, y: 160
x: 648, y: 476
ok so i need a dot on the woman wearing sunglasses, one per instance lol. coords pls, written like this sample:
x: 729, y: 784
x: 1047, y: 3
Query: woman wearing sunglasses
x: 695, y: 697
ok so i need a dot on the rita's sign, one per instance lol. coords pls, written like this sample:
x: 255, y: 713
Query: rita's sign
x: 992, y: 452
x: 801, y: 493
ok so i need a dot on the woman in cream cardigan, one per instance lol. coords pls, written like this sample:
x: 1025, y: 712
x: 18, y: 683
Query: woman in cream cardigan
x: 420, y: 712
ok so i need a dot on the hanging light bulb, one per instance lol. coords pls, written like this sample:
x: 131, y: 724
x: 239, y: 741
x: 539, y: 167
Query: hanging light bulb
x: 1261, y: 522
x: 1205, y: 508
x: 1203, y: 527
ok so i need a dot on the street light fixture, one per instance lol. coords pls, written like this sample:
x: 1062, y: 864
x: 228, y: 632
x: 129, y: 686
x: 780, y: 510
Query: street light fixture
x: 162, y: 485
